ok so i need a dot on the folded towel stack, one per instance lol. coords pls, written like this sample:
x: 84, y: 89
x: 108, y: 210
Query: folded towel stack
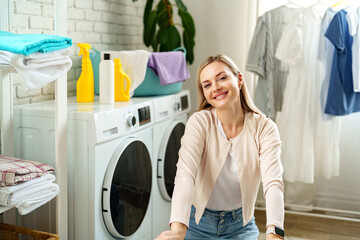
x: 29, y: 195
x: 38, y: 58
x: 26, y: 44
x: 14, y: 170
x: 26, y: 185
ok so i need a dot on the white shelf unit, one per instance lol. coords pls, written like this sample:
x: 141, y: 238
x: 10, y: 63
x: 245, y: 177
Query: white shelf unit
x: 6, y: 111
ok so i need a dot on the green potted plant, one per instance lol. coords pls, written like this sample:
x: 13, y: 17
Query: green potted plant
x: 161, y: 32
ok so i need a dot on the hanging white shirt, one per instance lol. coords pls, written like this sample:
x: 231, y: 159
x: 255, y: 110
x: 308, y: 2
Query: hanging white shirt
x: 226, y: 194
x: 310, y: 146
x: 353, y: 18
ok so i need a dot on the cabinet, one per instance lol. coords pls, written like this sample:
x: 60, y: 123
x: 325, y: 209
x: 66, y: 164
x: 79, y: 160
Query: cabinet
x: 6, y: 112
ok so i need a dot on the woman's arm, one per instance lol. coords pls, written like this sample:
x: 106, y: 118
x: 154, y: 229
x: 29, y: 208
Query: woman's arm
x: 192, y: 147
x: 271, y: 174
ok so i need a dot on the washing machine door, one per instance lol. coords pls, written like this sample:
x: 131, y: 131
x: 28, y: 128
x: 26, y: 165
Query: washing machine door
x: 168, y: 158
x: 126, y: 188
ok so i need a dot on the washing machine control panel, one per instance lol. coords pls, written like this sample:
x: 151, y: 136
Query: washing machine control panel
x: 123, y: 120
x: 172, y: 105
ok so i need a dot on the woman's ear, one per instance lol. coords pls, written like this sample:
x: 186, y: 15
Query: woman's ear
x: 240, y: 80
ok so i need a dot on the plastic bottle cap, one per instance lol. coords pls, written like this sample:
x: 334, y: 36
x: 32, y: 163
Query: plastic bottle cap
x: 106, y: 56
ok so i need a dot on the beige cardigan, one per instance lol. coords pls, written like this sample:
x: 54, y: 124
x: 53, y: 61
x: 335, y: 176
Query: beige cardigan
x: 203, y: 153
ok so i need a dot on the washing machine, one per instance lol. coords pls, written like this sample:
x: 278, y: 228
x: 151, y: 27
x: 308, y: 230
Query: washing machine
x: 170, y: 114
x: 109, y: 163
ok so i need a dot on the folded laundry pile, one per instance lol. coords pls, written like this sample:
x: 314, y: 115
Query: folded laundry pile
x: 26, y: 44
x: 39, y: 69
x: 14, y: 170
x: 26, y: 185
x: 38, y: 58
x: 29, y: 195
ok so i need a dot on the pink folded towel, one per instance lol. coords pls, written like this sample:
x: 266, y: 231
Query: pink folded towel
x: 14, y: 171
x: 169, y: 66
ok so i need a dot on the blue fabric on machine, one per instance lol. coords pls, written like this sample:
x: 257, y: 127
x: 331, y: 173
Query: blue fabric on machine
x: 30, y: 43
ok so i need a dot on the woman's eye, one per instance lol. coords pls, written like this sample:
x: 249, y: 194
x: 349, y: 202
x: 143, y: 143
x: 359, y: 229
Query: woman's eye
x: 223, y: 78
x: 206, y: 85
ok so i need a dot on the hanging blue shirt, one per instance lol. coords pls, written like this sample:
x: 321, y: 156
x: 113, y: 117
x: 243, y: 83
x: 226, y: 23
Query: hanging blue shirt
x: 341, y: 98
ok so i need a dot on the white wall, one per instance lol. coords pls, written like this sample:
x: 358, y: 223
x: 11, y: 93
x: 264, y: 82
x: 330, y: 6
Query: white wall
x: 221, y: 27
x: 343, y: 192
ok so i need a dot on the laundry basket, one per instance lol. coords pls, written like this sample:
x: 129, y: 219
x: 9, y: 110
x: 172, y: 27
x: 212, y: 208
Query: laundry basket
x: 11, y: 232
x: 151, y: 85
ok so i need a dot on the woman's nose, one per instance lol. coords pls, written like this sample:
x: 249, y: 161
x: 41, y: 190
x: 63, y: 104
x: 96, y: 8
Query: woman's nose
x: 216, y: 86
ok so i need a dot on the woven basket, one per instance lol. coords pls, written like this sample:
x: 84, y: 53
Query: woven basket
x: 11, y: 232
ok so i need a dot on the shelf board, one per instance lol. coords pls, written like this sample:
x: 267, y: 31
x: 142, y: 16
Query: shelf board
x: 7, y: 68
x: 5, y: 208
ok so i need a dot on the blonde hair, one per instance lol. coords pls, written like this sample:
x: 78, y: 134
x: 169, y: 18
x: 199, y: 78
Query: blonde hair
x: 246, y: 102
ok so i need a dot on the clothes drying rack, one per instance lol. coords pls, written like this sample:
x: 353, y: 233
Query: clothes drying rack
x: 6, y: 112
x: 314, y: 211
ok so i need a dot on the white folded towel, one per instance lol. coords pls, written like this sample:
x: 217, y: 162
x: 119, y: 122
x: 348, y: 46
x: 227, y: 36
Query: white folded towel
x: 39, y: 69
x: 29, y: 195
x: 134, y: 63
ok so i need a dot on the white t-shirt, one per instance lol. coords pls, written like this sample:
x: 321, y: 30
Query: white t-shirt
x: 226, y: 194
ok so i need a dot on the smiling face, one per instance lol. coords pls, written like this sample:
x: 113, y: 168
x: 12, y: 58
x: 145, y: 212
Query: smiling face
x: 220, y: 86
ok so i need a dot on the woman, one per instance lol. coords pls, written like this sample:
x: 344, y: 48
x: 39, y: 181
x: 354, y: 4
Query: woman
x: 228, y: 146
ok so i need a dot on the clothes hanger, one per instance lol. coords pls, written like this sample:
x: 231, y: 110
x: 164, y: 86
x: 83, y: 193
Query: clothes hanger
x: 333, y: 6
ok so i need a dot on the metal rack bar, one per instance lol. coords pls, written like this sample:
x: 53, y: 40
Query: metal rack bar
x: 61, y: 130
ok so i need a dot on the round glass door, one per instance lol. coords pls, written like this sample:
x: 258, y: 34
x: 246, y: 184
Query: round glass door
x: 168, y: 158
x: 127, y: 188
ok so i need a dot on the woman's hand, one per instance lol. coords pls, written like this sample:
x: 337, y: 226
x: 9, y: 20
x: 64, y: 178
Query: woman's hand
x: 177, y: 232
x: 171, y: 235
x: 272, y: 237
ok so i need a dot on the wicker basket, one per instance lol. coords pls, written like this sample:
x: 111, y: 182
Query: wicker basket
x: 11, y: 232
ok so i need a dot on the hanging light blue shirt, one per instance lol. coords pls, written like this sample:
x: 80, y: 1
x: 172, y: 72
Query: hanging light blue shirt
x: 341, y: 98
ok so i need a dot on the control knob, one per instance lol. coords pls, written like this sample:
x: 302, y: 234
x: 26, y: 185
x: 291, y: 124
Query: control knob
x: 131, y: 120
x: 177, y: 106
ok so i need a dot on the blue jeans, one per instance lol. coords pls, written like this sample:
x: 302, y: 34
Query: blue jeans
x: 221, y: 225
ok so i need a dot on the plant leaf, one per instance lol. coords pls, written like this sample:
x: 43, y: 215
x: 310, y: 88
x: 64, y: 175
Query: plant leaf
x: 163, y: 17
x: 170, y: 39
x: 187, y: 22
x: 147, y: 11
x: 149, y: 28
x: 180, y: 5
x: 189, y: 44
x: 155, y: 41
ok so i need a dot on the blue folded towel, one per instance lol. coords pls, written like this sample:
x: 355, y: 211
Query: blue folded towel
x: 29, y: 43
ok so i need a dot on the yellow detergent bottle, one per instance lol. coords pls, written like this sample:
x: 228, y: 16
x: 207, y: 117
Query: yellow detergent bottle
x: 85, y: 83
x: 120, y: 75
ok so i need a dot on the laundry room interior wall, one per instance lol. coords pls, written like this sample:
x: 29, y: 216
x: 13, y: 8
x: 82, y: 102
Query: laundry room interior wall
x: 104, y: 24
x: 220, y: 28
